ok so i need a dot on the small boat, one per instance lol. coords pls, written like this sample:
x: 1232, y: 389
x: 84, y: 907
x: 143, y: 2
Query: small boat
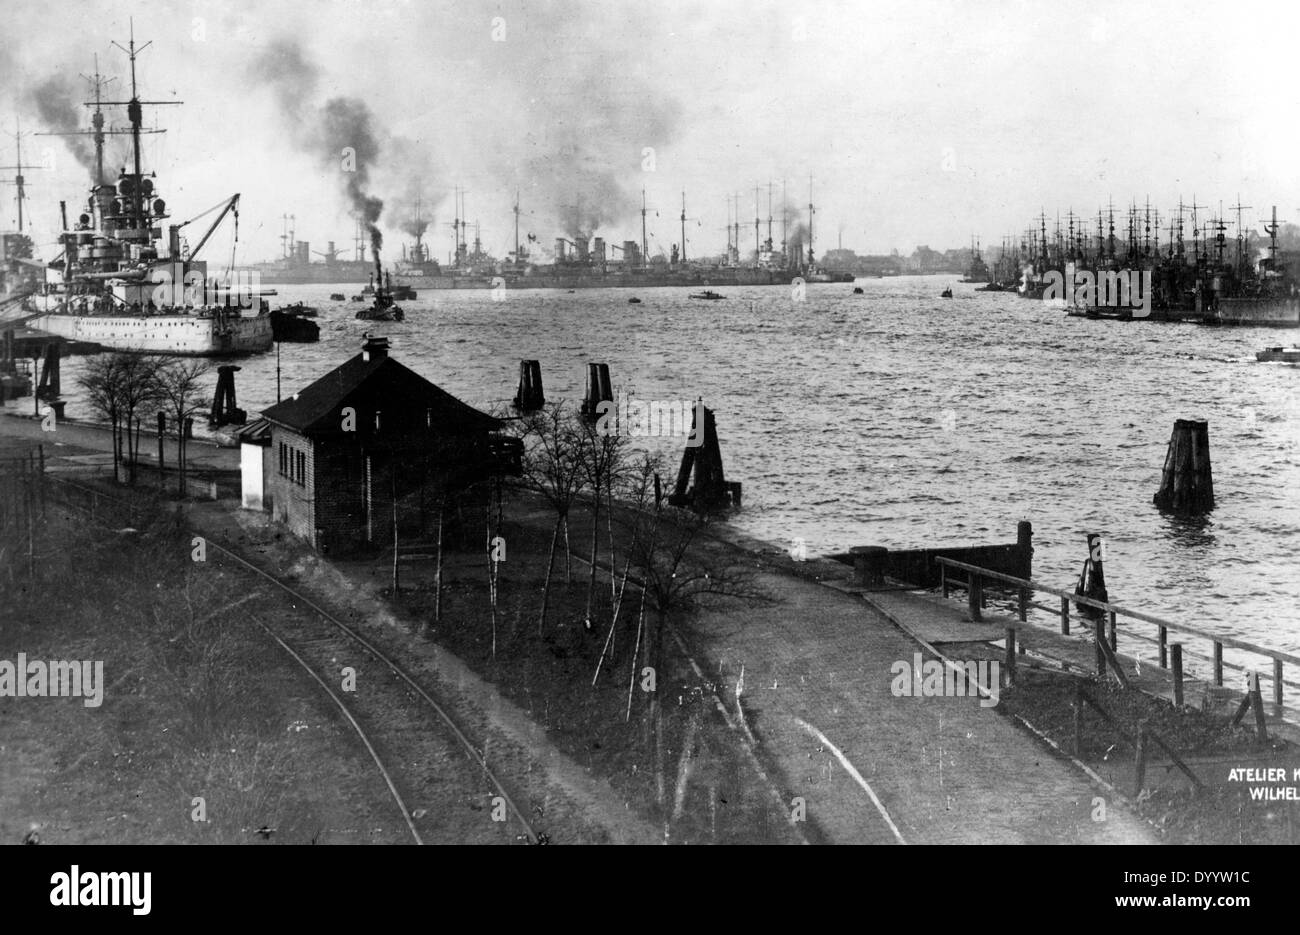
x: 337, y: 297
x: 382, y: 309
x: 293, y: 329
x: 857, y: 290
x: 946, y: 294
x: 299, y: 309
x: 1289, y: 355
x: 706, y: 294
x: 358, y: 298
x: 404, y: 293
x: 634, y: 301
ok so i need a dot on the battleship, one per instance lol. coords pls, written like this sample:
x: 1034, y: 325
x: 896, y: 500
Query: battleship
x: 979, y: 270
x: 295, y: 265
x: 111, y: 287
x: 581, y: 260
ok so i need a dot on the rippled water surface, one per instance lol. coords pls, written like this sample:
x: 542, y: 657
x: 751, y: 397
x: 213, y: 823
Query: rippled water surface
x: 902, y: 419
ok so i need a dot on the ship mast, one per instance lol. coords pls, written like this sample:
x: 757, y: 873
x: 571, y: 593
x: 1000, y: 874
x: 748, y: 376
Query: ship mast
x: 811, y: 211
x: 1239, y: 207
x: 1271, y: 230
x: 683, y: 228
x: 134, y: 113
x: 785, y: 244
x: 644, y: 258
x: 769, y: 217
x: 19, y: 181
x: 97, y: 121
x: 729, y: 244
x: 735, y: 214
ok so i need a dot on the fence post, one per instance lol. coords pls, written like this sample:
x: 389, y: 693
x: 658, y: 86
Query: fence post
x: 1176, y: 651
x: 975, y: 595
x: 1024, y: 605
x: 1218, y: 663
x: 1078, y: 718
x: 1065, y: 616
x: 1114, y: 637
x: 1257, y: 702
x: 1277, y: 682
x: 1011, y: 656
x: 1098, y: 638
x: 41, y: 450
x: 943, y: 578
x: 1164, y: 647
x: 1141, y: 772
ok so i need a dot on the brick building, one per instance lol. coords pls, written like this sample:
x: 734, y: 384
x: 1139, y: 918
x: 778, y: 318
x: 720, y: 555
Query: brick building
x: 370, y: 441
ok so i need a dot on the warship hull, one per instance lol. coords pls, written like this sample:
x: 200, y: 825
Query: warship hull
x: 181, y: 334
x: 1263, y: 312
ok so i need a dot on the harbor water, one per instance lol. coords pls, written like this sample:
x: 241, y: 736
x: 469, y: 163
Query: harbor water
x: 902, y: 419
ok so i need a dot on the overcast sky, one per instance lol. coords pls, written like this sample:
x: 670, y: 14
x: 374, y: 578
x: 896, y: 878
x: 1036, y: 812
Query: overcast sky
x: 920, y: 123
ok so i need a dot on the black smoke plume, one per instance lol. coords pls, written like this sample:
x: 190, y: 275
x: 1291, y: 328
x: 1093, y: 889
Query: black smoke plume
x: 341, y: 133
x: 347, y: 133
x: 57, y: 101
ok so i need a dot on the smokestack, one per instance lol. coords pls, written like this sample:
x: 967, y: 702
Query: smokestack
x: 375, y: 348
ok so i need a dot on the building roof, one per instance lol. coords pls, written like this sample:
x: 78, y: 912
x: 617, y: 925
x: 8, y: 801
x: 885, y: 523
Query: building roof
x: 370, y: 384
x: 257, y: 432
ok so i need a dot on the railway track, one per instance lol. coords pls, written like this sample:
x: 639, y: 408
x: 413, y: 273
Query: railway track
x: 390, y: 715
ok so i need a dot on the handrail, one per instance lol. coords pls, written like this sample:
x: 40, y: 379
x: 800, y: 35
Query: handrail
x: 1118, y: 609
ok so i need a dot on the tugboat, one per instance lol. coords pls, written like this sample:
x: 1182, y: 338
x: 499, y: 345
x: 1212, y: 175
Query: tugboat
x: 383, y: 308
x: 634, y: 301
x: 112, y: 287
x: 707, y: 294
x: 337, y: 297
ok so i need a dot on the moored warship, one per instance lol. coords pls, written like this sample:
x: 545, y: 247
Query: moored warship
x: 112, y: 287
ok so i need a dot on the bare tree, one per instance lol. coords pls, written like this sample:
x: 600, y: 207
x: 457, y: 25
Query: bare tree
x: 102, y: 383
x: 140, y: 388
x: 179, y: 381
x: 552, y: 467
x: 603, y: 459
x: 118, y: 386
x: 637, y: 489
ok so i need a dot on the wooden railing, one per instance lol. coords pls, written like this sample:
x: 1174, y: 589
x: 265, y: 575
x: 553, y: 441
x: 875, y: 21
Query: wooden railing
x: 1171, y: 655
